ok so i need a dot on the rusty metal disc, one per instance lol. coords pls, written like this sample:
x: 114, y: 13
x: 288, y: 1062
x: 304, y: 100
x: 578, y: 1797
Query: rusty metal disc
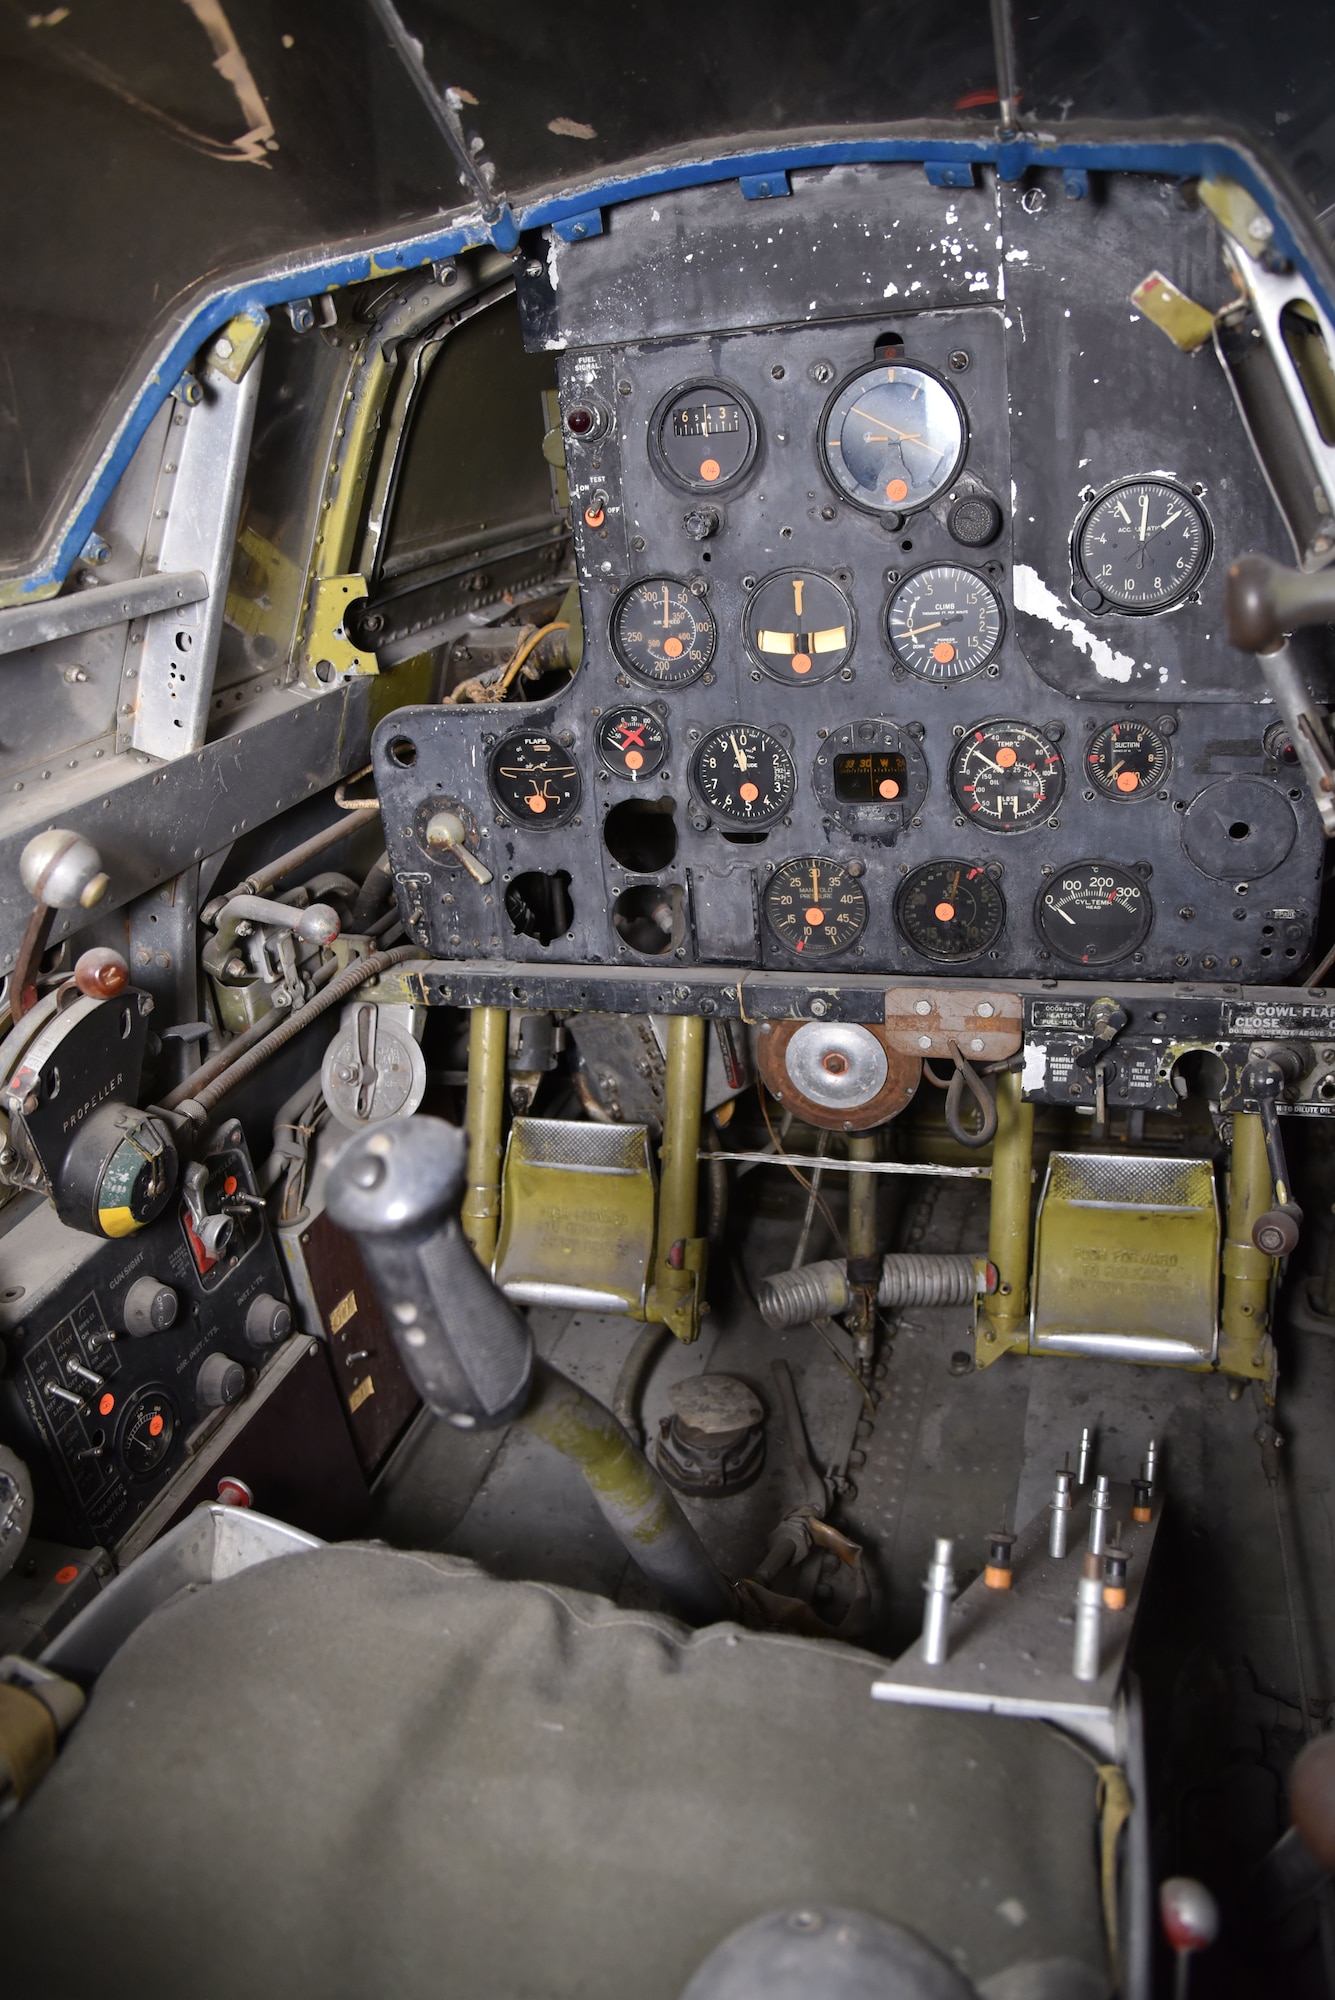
x: 859, y: 1078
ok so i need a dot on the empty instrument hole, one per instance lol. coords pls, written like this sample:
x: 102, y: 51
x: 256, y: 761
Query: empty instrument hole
x: 1240, y: 830
x: 403, y: 750
x: 642, y: 834
x: 650, y: 918
x: 539, y: 906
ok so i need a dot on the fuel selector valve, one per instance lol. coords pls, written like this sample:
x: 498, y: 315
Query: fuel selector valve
x: 1271, y: 1069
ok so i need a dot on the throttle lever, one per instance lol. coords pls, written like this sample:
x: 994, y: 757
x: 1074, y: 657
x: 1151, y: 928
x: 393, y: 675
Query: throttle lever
x: 1264, y: 1078
x: 398, y: 1190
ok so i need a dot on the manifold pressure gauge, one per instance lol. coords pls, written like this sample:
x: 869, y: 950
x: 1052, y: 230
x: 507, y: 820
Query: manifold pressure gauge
x: 630, y: 742
x: 533, y: 780
x: 950, y: 909
x: 1127, y: 759
x: 1094, y: 912
x: 944, y: 622
x: 662, y: 632
x: 1142, y: 546
x: 744, y: 775
x: 816, y: 906
x: 893, y: 438
x: 1006, y: 776
x: 799, y: 627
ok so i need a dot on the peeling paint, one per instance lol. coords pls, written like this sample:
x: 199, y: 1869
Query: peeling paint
x: 1032, y: 595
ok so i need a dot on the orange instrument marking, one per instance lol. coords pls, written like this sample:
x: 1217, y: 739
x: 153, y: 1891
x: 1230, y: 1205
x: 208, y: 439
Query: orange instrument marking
x: 710, y: 469
x: 801, y: 663
x: 815, y: 916
x: 67, y: 1573
x: 748, y: 792
x: 633, y: 760
x: 673, y: 648
x: 944, y: 912
x: 106, y: 1404
x: 1005, y: 757
x: 896, y: 489
x: 155, y: 1427
x: 943, y: 651
x: 888, y: 789
x: 230, y: 1184
x: 594, y: 517
x: 1127, y: 781
x: 536, y: 802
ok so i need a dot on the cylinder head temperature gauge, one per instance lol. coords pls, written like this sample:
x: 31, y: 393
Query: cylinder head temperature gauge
x: 662, y: 632
x: 944, y: 622
x: 950, y: 909
x: 1006, y: 776
x: 1094, y: 912
x: 816, y: 906
x: 1127, y: 760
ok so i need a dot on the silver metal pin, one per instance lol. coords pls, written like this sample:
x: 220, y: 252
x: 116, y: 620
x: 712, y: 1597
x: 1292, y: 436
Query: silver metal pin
x: 940, y: 1588
x: 1088, y: 1619
x: 1082, y: 1471
x: 1060, y: 1520
x: 1099, y: 1503
x: 1151, y: 1459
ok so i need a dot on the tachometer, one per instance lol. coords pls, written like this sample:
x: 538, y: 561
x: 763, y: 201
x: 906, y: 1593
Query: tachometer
x: 893, y: 438
x: 944, y: 622
x: 1142, y: 546
x: 1125, y: 760
x: 799, y: 627
x: 816, y: 906
x: 744, y: 774
x: 950, y: 909
x: 662, y: 632
x: 1007, y: 776
x: 533, y: 780
x: 1094, y: 912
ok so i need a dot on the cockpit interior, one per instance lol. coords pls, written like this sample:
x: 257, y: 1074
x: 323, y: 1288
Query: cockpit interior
x: 667, y: 1214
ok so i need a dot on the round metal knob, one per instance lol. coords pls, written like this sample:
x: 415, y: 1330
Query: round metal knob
x: 150, y: 1307
x: 63, y: 870
x: 268, y: 1320
x: 219, y: 1382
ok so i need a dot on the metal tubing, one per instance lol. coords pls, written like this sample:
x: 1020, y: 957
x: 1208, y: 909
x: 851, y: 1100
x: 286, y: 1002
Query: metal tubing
x: 830, y: 1164
x: 1004, y: 1322
x: 1099, y: 1503
x: 631, y: 1380
x: 296, y: 857
x: 940, y: 1588
x: 678, y: 1253
x: 1245, y: 1312
x: 1086, y: 1442
x: 484, y: 1115
x: 1088, y: 1620
x: 1059, y: 1522
x: 632, y: 1497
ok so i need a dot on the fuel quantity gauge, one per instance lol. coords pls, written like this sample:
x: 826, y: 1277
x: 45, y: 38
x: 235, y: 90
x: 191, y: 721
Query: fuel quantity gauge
x: 1006, y: 776
x: 704, y: 436
x: 1127, y: 759
x: 816, y: 906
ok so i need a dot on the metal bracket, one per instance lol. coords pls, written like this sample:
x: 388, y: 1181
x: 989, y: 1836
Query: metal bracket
x: 328, y: 649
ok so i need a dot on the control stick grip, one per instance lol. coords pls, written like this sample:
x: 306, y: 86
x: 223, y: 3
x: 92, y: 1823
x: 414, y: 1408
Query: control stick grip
x: 397, y: 1189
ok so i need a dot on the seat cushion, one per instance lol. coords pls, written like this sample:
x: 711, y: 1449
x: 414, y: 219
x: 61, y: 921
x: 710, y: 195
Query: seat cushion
x: 354, y: 1771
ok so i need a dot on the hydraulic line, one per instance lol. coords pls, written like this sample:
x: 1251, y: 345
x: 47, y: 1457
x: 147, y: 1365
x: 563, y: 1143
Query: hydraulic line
x: 630, y: 1382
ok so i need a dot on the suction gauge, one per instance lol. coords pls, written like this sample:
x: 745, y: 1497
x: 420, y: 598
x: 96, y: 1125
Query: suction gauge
x: 893, y: 438
x: 815, y: 906
x: 704, y: 436
x: 1006, y: 776
x: 630, y: 742
x: 744, y: 775
x: 1094, y: 912
x: 799, y: 627
x: 950, y: 909
x: 944, y: 622
x: 534, y: 781
x: 662, y: 632
x: 1125, y: 760
x: 1142, y: 546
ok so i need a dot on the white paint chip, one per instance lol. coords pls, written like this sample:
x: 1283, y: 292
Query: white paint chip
x: 1032, y: 595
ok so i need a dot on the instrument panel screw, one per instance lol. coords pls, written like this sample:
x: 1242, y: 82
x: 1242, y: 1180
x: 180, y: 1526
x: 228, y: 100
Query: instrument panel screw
x: 959, y: 360
x: 778, y: 371
x: 821, y: 371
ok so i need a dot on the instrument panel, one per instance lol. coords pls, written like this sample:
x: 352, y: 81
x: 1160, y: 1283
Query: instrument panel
x: 812, y: 720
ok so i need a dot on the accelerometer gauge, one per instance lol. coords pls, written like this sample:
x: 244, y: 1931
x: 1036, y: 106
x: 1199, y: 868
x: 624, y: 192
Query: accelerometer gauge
x: 1142, y: 546
x: 815, y: 906
x: 944, y: 622
x: 744, y: 775
x: 630, y: 742
x: 1094, y: 912
x: 704, y: 436
x: 662, y: 632
x: 893, y: 438
x: 1006, y: 776
x: 1126, y: 759
x: 950, y: 909
x: 799, y: 627
x: 533, y: 780
x: 148, y: 1425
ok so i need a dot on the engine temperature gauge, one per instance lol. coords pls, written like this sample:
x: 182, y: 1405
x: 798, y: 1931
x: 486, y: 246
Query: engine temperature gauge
x: 662, y: 632
x: 534, y: 780
x: 630, y: 742
x: 816, y: 906
x: 950, y: 909
x: 1094, y: 912
x: 1125, y: 760
x: 744, y: 775
x: 1006, y: 776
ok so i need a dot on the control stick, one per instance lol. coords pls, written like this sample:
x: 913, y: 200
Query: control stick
x: 1269, y: 1069
x: 398, y: 1190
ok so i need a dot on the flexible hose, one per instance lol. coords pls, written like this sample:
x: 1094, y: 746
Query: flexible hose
x: 372, y: 895
x: 630, y: 1382
x: 205, y: 1100
x: 967, y: 1078
x: 908, y: 1278
x: 216, y: 1064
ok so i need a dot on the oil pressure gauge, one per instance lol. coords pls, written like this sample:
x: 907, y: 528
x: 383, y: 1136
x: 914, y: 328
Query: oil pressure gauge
x: 816, y: 906
x: 1006, y: 776
x: 744, y: 775
x: 1127, y: 759
x: 662, y: 632
x: 533, y: 780
x: 1094, y: 912
x: 704, y: 436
